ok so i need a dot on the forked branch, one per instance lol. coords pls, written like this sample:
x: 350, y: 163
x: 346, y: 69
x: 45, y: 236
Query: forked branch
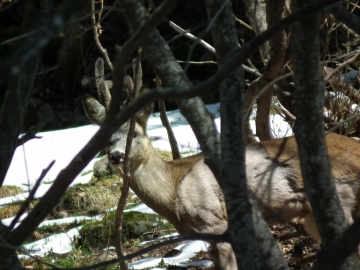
x: 126, y: 173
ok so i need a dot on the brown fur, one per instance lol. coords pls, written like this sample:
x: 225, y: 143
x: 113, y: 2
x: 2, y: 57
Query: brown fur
x: 339, y: 148
x: 182, y: 166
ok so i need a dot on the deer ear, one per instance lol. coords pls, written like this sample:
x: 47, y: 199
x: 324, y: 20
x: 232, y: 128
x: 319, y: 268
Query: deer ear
x: 94, y: 110
x: 143, y: 115
x: 128, y: 85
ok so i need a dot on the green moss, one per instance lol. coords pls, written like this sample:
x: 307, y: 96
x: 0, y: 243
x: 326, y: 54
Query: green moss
x: 136, y: 225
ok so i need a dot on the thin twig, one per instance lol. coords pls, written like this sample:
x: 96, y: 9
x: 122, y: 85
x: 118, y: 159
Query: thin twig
x: 342, y: 65
x: 127, y: 177
x: 207, y: 29
x: 341, y: 123
x: 30, y: 198
x: 196, y: 62
x: 207, y: 46
x: 216, y: 238
x: 165, y: 121
x: 101, y: 9
x: 37, y: 259
x: 47, y: 70
x: 119, y: 214
x: 242, y: 23
x: 135, y: 42
x: 286, y: 112
x: 341, y: 14
x: 264, y: 89
x: 19, y: 37
x: 31, y: 134
x: 96, y: 30
x: 187, y: 34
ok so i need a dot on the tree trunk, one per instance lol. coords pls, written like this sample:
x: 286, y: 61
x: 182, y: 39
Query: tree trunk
x: 254, y: 246
x: 309, y: 131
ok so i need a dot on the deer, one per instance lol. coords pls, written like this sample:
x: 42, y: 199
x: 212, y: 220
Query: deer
x: 186, y: 193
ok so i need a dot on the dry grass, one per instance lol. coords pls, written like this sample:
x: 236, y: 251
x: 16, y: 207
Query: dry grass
x: 95, y: 197
x: 7, y: 191
x: 9, y: 211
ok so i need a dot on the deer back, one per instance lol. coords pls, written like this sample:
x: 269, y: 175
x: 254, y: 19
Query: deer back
x: 343, y: 152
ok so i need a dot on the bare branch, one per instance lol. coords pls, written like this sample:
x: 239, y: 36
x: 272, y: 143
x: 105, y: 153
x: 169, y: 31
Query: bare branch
x: 165, y: 121
x: 31, y: 197
x: 238, y: 56
x: 197, y: 63
x: 274, y: 11
x: 131, y: 45
x: 207, y: 46
x: 97, y: 30
x: 243, y: 23
x: 173, y: 240
x: 348, y: 18
x: 286, y: 112
x: 338, y: 69
x: 187, y: 34
x: 256, y: 12
x: 127, y: 178
x: 31, y: 134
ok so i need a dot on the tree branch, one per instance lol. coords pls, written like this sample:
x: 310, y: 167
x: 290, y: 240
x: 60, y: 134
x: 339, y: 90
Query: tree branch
x: 174, y: 240
x: 343, y: 15
x: 165, y: 121
x: 334, y: 256
x: 314, y: 161
x: 96, y: 30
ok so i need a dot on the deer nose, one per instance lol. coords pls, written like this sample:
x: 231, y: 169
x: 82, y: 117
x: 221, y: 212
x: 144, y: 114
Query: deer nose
x: 116, y: 157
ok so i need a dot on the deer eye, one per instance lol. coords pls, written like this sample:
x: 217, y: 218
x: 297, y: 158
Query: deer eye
x: 135, y: 134
x: 112, y: 142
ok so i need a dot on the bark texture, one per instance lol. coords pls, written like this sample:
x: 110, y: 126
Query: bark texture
x: 251, y: 240
x: 309, y: 131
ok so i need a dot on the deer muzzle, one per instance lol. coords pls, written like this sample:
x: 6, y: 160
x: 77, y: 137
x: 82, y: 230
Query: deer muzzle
x: 116, y: 157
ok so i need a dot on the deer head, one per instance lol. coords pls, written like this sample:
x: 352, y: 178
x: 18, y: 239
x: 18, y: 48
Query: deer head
x: 96, y: 111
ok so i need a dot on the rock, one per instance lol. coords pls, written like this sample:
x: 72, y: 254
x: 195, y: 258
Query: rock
x: 63, y: 214
x: 102, y: 168
x: 108, y: 255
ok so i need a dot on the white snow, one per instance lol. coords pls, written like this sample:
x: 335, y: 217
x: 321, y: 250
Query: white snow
x: 187, y: 251
x: 30, y: 159
x: 60, y: 243
x: 141, y: 208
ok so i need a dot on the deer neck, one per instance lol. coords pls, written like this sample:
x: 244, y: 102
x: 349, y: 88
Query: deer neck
x: 153, y: 183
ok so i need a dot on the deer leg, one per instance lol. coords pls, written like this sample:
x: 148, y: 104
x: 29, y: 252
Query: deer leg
x: 348, y: 203
x: 224, y: 256
x: 310, y: 226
